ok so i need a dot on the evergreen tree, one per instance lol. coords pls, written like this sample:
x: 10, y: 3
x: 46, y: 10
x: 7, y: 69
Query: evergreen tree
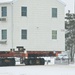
x: 70, y: 34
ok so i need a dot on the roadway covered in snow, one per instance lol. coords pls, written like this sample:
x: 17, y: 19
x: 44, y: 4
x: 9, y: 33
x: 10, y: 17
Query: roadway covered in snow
x: 38, y: 70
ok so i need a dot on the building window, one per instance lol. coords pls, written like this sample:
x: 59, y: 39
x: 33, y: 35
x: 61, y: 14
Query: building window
x: 4, y: 11
x: 54, y: 34
x: 4, y: 34
x: 23, y: 11
x: 23, y: 34
x: 54, y: 12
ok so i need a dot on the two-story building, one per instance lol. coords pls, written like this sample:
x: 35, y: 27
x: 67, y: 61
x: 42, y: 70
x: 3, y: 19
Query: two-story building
x: 37, y: 25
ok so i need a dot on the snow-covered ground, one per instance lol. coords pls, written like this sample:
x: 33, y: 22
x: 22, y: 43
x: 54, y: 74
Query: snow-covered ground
x: 48, y: 69
x: 38, y: 70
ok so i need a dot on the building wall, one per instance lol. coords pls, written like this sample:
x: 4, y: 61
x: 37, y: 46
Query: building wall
x: 6, y: 25
x: 39, y: 24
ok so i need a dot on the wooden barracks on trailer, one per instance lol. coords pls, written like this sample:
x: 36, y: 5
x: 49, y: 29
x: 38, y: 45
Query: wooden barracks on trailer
x: 33, y: 26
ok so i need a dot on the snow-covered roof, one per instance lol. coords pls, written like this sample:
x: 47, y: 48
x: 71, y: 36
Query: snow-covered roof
x: 5, y: 1
x: 9, y: 1
x: 61, y: 2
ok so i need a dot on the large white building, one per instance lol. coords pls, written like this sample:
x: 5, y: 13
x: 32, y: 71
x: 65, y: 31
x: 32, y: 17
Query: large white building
x: 33, y: 24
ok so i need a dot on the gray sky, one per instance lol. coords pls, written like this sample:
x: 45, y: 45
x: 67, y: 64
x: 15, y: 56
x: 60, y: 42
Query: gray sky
x: 69, y: 4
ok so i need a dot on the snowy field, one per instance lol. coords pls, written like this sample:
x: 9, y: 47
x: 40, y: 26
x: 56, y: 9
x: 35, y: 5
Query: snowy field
x: 38, y: 70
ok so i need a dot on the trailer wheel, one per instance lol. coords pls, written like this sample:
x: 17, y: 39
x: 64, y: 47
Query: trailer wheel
x: 37, y: 62
x: 34, y: 61
x: 30, y: 62
x: 21, y: 60
x: 42, y: 61
x: 7, y: 62
x: 26, y: 62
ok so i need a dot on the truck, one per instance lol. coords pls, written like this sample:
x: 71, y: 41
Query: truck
x: 7, y: 58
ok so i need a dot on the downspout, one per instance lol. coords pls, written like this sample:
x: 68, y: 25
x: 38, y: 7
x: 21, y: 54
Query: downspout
x: 12, y: 26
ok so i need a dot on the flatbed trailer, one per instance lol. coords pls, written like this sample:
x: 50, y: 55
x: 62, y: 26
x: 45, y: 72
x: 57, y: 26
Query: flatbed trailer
x: 7, y: 58
x: 36, y: 57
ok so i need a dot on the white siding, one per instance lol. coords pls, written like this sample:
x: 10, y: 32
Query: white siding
x: 39, y: 24
x: 6, y: 25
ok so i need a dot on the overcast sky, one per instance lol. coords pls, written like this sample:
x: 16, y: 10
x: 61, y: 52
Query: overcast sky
x: 69, y: 4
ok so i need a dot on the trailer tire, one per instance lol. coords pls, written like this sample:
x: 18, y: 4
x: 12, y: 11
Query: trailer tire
x: 26, y: 62
x: 7, y: 62
x: 34, y: 61
x: 37, y: 62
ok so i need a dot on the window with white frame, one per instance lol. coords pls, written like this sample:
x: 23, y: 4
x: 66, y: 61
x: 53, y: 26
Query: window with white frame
x: 4, y: 11
x: 54, y: 34
x: 24, y: 34
x: 23, y: 11
x: 4, y: 34
x: 54, y: 12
